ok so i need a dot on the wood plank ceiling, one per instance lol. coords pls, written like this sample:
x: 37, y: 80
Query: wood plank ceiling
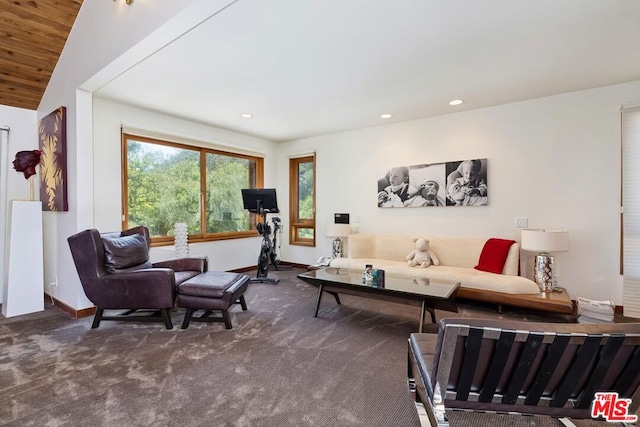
x: 32, y: 36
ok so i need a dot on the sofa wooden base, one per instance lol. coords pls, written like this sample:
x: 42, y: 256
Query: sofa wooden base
x: 553, y: 302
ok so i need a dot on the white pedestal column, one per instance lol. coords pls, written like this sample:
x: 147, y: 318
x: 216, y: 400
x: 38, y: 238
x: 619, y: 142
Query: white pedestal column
x: 24, y: 288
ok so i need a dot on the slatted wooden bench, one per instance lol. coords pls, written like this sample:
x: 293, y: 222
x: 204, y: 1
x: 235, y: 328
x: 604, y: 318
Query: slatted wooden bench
x: 551, y: 369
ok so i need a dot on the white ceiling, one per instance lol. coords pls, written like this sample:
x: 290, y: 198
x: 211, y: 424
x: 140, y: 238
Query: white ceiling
x: 313, y: 67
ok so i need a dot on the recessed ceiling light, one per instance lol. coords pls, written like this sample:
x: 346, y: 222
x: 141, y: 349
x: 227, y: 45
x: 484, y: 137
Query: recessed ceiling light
x: 386, y: 116
x: 246, y: 115
x: 456, y: 102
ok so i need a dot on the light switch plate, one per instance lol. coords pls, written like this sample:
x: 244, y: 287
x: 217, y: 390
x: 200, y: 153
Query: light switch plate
x: 522, y: 222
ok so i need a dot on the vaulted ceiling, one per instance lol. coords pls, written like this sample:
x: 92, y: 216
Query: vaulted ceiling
x: 306, y: 68
x: 32, y: 36
x: 316, y: 67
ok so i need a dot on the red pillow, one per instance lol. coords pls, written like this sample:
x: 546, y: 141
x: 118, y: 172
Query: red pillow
x: 493, y: 255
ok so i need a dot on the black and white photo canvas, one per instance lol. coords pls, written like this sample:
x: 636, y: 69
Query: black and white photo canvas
x: 393, y: 187
x: 458, y: 183
x: 467, y: 183
x: 426, y: 185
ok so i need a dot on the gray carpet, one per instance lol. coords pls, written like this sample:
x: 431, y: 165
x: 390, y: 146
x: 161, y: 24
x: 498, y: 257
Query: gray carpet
x: 278, y: 366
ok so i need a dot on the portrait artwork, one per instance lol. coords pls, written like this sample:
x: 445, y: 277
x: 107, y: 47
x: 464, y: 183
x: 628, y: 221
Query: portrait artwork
x: 459, y: 183
x: 52, y: 133
x: 26, y: 162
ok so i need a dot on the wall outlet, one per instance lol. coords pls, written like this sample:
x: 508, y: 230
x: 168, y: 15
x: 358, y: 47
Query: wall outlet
x: 522, y: 222
x: 53, y: 284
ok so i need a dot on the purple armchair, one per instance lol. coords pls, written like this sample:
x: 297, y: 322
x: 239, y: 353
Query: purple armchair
x: 116, y: 274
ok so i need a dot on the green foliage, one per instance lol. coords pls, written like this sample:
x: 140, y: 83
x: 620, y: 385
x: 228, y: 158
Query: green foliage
x: 164, y: 188
x: 226, y: 176
x: 305, y: 191
x: 305, y: 233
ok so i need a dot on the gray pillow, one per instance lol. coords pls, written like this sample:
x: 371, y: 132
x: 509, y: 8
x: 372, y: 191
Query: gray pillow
x: 125, y: 252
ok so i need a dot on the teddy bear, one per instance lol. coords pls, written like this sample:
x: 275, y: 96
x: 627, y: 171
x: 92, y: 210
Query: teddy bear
x: 421, y: 255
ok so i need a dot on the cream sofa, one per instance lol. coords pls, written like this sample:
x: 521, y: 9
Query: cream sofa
x: 458, y: 257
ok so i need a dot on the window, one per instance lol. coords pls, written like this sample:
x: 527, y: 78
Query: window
x: 631, y: 211
x: 165, y: 183
x: 302, y: 209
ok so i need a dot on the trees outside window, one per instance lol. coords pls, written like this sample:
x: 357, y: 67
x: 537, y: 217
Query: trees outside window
x: 165, y: 183
x: 302, y: 201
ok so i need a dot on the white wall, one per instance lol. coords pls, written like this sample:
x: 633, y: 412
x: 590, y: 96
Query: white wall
x: 107, y: 118
x: 106, y: 39
x: 554, y: 160
x: 23, y: 135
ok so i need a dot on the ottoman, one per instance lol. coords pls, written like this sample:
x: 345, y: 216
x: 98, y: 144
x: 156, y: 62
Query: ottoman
x: 209, y: 291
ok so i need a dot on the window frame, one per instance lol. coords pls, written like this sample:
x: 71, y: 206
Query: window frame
x: 204, y: 236
x: 296, y: 223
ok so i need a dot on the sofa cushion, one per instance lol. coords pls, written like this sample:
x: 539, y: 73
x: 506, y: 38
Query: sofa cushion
x: 125, y: 252
x: 468, y: 277
x: 493, y: 255
x: 451, y: 251
x: 457, y: 256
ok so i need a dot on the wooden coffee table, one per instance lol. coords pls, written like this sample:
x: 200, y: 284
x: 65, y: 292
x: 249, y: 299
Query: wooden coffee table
x: 426, y: 294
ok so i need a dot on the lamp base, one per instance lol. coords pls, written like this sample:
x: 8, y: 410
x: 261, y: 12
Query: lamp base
x: 337, y: 248
x: 544, y: 272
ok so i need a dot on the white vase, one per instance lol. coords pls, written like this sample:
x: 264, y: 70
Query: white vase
x: 181, y: 239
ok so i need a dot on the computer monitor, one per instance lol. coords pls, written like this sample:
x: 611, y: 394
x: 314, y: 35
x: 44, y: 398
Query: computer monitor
x: 257, y: 199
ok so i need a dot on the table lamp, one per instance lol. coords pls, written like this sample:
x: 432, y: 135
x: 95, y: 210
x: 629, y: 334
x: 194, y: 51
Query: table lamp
x: 544, y: 242
x: 339, y: 231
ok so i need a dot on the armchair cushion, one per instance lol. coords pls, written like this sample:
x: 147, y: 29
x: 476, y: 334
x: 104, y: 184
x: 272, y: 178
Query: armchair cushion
x: 184, y: 268
x: 125, y: 252
x: 193, y: 263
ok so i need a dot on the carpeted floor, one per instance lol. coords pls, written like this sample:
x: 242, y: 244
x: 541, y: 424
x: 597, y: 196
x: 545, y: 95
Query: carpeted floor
x: 278, y: 366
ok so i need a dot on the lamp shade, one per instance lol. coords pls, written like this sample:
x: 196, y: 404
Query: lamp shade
x: 544, y: 240
x: 338, y: 230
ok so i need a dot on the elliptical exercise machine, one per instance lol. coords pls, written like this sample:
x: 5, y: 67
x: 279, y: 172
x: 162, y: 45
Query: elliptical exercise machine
x: 262, y: 201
